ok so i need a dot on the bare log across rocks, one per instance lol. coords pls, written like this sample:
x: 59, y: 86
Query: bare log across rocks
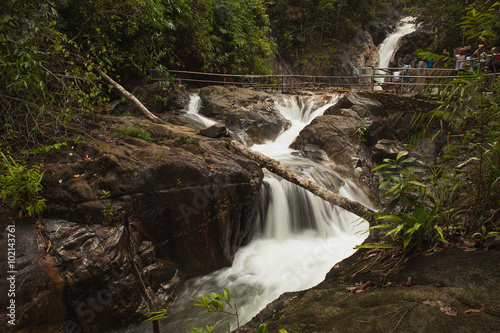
x: 130, y: 97
x: 277, y: 168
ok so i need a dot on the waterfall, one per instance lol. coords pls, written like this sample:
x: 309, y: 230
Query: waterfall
x: 193, y: 109
x: 387, y: 47
x: 302, y: 237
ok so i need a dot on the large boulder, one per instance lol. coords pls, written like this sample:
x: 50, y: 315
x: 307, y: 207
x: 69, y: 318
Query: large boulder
x: 409, y: 44
x: 33, y: 283
x: 250, y: 114
x: 191, y: 202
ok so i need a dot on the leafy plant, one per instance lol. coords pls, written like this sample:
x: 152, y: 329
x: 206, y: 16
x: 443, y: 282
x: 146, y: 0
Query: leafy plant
x: 214, y: 302
x: 110, y: 214
x: 45, y: 83
x: 43, y: 149
x: 22, y: 185
x: 479, y: 25
x: 361, y: 129
x: 416, y: 207
x: 469, y: 117
x: 483, y: 234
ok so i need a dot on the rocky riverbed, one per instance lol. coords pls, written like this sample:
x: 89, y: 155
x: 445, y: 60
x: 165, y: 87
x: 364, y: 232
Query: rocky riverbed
x: 180, y: 203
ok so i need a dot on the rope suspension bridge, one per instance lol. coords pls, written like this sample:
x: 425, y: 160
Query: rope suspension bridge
x: 369, y: 78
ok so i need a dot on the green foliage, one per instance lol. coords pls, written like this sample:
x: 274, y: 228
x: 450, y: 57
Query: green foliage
x: 49, y: 51
x: 126, y: 36
x: 417, y: 192
x: 482, y: 235
x: 431, y: 202
x: 449, y: 28
x: 242, y: 44
x: 135, y: 131
x: 186, y: 140
x: 361, y: 129
x: 110, y: 214
x: 157, y: 315
x: 207, y: 329
x: 491, y: 156
x: 470, y: 108
x: 21, y: 185
x: 214, y: 302
x: 45, y: 83
x: 480, y: 26
x: 43, y: 149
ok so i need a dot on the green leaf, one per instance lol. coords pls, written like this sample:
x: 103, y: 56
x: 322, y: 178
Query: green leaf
x: 401, y: 154
x: 161, y: 314
x: 227, y: 295
x: 262, y: 329
x: 393, y: 218
x: 415, y: 227
x: 406, y: 241
x: 414, y: 182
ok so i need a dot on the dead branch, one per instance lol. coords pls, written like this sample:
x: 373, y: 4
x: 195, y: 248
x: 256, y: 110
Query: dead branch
x: 124, y: 93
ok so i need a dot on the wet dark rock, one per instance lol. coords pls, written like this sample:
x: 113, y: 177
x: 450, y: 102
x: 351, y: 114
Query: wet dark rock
x: 250, y: 114
x: 386, y: 149
x: 39, y: 294
x: 405, y: 51
x: 162, y: 97
x: 214, y: 131
x: 191, y: 201
x: 377, y: 31
x: 434, y: 293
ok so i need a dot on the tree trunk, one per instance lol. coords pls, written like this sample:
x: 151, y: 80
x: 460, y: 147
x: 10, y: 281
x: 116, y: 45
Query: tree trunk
x: 124, y: 93
x: 280, y: 170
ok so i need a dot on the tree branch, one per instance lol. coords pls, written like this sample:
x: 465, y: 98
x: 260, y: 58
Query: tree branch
x: 280, y: 170
x: 124, y: 93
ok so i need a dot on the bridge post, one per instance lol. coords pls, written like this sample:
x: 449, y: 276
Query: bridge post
x: 372, y: 79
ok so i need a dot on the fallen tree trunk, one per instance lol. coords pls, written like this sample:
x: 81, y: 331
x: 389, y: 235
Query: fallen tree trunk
x: 277, y: 168
x: 124, y: 93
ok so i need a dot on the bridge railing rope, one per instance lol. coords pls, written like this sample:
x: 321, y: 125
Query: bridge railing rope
x: 368, y: 78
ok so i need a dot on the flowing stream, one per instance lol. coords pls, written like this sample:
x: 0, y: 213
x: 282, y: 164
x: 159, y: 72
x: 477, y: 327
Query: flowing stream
x: 193, y: 110
x: 387, y: 47
x: 300, y: 238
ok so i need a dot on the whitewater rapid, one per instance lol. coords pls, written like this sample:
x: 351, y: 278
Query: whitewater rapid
x: 387, y: 47
x: 300, y: 239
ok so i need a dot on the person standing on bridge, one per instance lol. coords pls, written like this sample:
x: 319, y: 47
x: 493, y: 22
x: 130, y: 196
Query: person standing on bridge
x: 460, y: 60
x: 396, y: 79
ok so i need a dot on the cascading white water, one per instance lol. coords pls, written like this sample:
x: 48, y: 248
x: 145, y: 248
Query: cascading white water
x: 193, y: 108
x: 301, y: 239
x: 387, y: 47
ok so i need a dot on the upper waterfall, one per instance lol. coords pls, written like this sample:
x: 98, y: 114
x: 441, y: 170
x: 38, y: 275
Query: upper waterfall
x: 387, y: 47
